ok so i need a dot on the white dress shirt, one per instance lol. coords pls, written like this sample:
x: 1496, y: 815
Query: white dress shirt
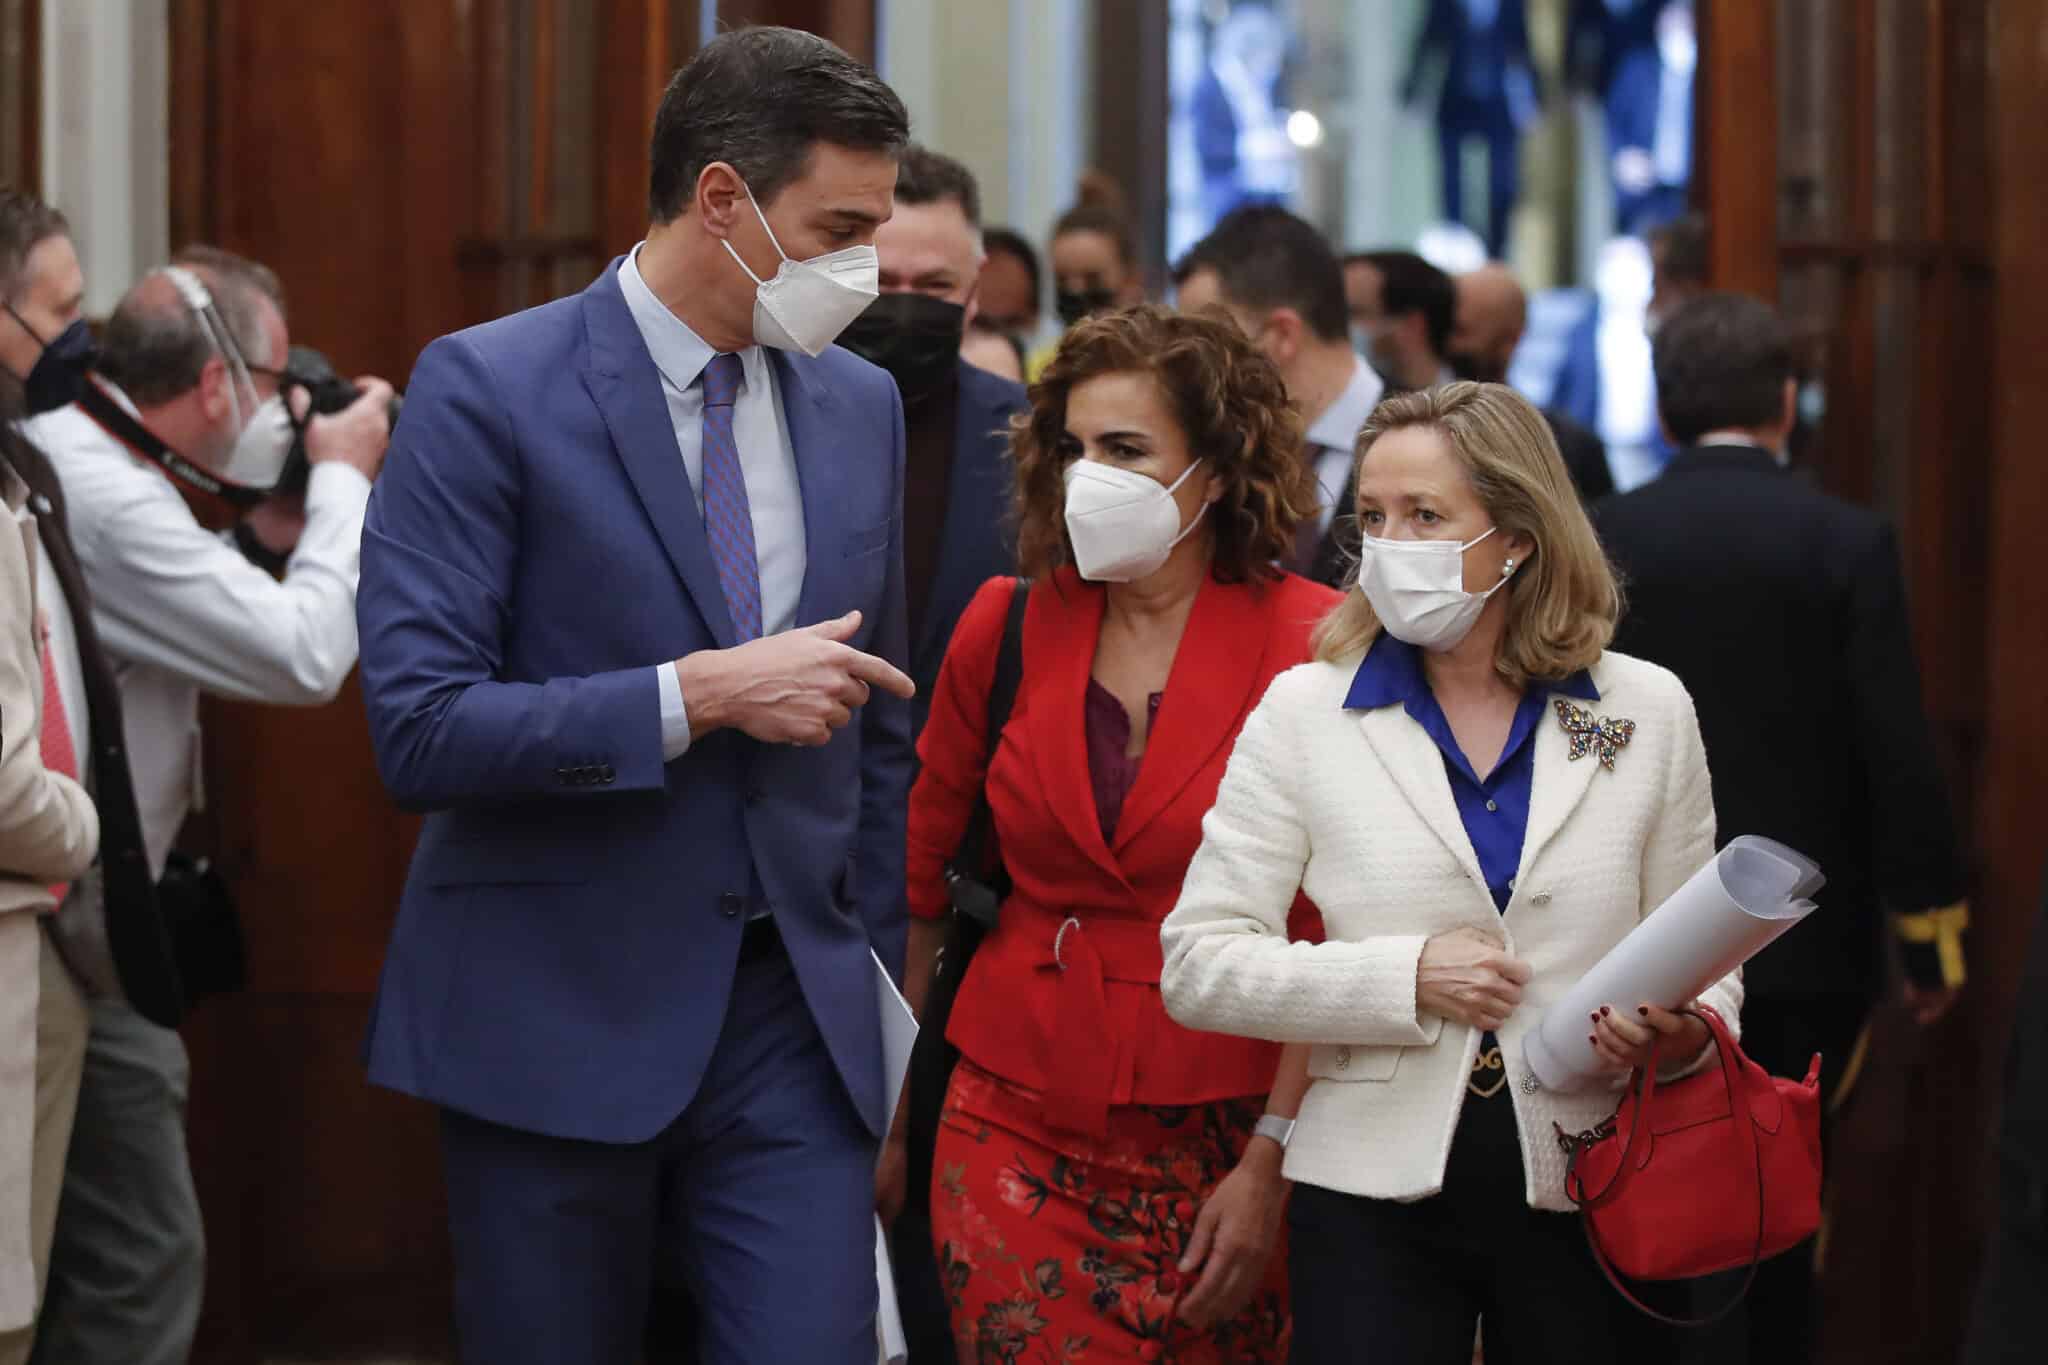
x: 767, y: 464
x: 1334, y: 438
x: 180, y: 611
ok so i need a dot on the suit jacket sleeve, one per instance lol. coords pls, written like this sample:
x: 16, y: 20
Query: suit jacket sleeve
x: 440, y: 546
x: 1912, y: 835
x: 49, y: 831
x: 1229, y: 967
x: 1681, y: 842
x: 886, y: 756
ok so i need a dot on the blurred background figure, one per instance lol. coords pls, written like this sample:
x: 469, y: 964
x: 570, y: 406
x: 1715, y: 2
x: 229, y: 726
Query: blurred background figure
x: 1094, y: 254
x: 1488, y: 96
x: 1637, y: 58
x: 1607, y: 382
x: 1240, y: 126
x: 1402, y: 309
x: 1009, y: 297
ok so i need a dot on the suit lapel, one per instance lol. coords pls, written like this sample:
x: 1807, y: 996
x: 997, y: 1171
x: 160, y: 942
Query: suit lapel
x: 1061, y: 629
x: 623, y: 382
x: 1416, y: 766
x: 1560, y: 781
x: 1219, y: 663
x: 823, y: 474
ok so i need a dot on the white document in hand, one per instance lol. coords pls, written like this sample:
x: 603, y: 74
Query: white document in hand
x: 899, y: 1034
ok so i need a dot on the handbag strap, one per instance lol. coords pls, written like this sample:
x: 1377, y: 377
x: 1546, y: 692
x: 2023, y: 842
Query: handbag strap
x: 976, y: 891
x: 1739, y: 1111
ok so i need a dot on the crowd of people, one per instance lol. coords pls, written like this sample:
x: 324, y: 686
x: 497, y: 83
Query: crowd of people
x: 1241, y: 664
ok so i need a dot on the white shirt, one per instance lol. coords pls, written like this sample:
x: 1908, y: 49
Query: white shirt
x: 1334, y: 435
x: 767, y: 464
x: 180, y: 611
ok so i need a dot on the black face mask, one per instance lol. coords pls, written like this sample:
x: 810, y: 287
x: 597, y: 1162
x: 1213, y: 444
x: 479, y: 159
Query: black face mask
x: 915, y: 337
x: 1466, y: 365
x: 1073, y: 305
x: 59, y: 373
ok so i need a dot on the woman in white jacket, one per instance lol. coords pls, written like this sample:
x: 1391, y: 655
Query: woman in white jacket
x: 1482, y: 800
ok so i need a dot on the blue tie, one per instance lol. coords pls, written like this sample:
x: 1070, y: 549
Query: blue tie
x: 728, y: 521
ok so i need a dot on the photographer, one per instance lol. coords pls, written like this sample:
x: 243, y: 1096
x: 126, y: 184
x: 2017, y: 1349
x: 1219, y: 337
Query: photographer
x: 189, y: 392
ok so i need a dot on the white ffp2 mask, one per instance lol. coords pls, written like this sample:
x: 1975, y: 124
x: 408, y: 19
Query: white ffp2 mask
x: 1123, y: 525
x: 809, y: 303
x: 1417, y: 589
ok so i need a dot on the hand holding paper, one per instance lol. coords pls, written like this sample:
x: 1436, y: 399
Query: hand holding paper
x: 1727, y: 912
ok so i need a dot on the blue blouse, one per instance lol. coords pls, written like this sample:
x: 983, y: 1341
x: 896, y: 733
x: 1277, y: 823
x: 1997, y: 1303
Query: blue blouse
x: 1495, y: 808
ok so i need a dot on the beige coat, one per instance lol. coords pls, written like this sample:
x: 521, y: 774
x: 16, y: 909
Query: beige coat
x: 1355, y: 809
x: 49, y: 832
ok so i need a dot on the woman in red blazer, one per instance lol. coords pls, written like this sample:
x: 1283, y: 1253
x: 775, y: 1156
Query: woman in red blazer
x: 1099, y: 1191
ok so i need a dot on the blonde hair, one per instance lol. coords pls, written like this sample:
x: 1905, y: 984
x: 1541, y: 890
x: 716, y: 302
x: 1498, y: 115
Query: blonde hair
x: 1563, y: 602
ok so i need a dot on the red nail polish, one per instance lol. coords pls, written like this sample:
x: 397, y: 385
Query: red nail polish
x: 1604, y: 1011
x: 1591, y: 1039
x: 1643, y: 1010
x: 1594, y: 1018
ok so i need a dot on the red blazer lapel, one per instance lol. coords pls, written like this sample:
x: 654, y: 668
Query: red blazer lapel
x: 1215, y: 680
x: 1061, y: 627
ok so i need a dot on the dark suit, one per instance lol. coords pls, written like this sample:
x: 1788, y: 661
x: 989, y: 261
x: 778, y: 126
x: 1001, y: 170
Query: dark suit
x: 1489, y: 92
x: 137, y: 940
x: 978, y: 541
x: 1585, y: 457
x: 1783, y: 611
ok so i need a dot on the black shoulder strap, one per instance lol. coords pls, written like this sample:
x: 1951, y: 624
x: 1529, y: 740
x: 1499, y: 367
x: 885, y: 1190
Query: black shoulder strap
x: 96, y: 403
x: 978, y: 888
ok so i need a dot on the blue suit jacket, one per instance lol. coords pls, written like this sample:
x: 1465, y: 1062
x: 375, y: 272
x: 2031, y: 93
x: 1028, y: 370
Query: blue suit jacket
x: 567, y: 940
x: 979, y: 540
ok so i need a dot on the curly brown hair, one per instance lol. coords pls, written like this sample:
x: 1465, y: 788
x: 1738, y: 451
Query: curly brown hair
x: 1231, y: 406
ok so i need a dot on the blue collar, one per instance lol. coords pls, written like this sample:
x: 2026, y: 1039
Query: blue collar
x: 1391, y: 672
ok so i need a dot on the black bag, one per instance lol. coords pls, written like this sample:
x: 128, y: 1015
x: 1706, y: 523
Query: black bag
x: 204, y: 927
x: 977, y: 884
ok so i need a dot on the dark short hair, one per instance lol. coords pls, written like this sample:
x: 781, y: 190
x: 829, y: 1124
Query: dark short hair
x: 1264, y: 257
x: 25, y: 223
x: 154, y: 346
x: 1410, y: 284
x: 1231, y: 405
x: 1722, y: 361
x: 1681, y: 248
x: 999, y: 240
x: 924, y: 176
x: 1099, y: 207
x: 760, y: 99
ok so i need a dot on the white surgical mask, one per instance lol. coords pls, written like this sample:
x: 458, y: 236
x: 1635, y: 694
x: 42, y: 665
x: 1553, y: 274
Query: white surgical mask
x: 260, y: 451
x: 1123, y: 524
x: 809, y: 303
x: 1417, y: 589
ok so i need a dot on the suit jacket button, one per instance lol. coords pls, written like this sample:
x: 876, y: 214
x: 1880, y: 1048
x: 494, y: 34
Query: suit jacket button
x: 730, y: 904
x: 1540, y: 898
x: 607, y: 774
x: 562, y: 775
x: 1343, y: 1059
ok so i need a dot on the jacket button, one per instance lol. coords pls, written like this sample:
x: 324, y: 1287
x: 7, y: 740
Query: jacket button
x: 607, y: 774
x: 730, y: 904
x: 562, y: 775
x: 1540, y: 898
x: 1343, y: 1059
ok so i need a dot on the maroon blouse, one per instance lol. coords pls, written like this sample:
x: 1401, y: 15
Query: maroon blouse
x: 1111, y: 769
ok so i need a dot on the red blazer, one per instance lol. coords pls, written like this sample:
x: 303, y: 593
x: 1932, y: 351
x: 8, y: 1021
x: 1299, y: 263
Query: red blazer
x: 1063, y: 997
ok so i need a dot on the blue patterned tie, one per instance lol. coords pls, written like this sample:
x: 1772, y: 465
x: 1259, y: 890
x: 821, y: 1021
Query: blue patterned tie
x: 728, y: 522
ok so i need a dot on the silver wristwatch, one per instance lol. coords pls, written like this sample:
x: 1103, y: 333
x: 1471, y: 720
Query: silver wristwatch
x: 1274, y: 1127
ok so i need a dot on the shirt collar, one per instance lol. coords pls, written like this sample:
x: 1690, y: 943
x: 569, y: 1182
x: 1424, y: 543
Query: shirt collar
x: 1391, y: 672
x: 1337, y: 427
x: 1737, y: 440
x: 678, y: 352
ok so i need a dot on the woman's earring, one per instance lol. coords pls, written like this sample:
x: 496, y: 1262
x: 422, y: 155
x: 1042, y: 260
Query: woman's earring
x: 1507, y: 568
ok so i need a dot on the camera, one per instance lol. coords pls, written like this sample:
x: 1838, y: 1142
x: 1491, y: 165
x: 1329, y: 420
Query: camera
x: 326, y: 392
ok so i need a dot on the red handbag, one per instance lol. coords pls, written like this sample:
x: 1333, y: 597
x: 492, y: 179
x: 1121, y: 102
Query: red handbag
x: 1718, y: 1171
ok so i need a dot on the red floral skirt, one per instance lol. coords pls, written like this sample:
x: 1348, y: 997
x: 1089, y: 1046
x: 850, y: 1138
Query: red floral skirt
x: 1056, y: 1248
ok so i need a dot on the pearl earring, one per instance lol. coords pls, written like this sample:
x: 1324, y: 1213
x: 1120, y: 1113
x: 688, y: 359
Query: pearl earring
x: 1507, y: 568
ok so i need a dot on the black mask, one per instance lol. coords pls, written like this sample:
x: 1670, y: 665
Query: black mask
x: 915, y: 337
x: 59, y: 373
x: 1466, y: 365
x: 1073, y: 305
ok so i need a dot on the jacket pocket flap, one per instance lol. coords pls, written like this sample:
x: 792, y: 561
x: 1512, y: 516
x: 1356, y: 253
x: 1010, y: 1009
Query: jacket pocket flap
x: 1354, y: 1061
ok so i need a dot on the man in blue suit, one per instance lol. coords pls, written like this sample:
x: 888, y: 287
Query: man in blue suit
x: 632, y: 611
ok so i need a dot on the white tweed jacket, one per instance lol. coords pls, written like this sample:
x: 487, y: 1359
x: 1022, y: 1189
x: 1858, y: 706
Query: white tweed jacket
x: 1354, y: 808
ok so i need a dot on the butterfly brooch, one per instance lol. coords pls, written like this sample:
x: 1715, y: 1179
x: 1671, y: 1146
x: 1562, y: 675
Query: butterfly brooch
x: 1594, y: 734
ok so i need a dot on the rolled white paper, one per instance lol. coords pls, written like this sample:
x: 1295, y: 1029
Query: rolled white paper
x: 1747, y: 895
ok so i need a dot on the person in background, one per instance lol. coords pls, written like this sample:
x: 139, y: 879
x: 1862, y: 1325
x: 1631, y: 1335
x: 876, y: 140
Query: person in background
x: 1125, y: 1168
x: 49, y: 828
x: 1491, y: 315
x: 1008, y: 298
x: 1421, y: 783
x: 1402, y: 310
x: 193, y: 353
x: 1678, y: 266
x: 1739, y: 571
x: 1277, y: 278
x: 1094, y: 253
x: 956, y: 418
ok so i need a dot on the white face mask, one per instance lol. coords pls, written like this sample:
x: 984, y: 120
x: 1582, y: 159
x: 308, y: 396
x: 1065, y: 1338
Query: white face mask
x: 1123, y: 524
x: 1417, y: 589
x: 809, y: 303
x: 261, y: 450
